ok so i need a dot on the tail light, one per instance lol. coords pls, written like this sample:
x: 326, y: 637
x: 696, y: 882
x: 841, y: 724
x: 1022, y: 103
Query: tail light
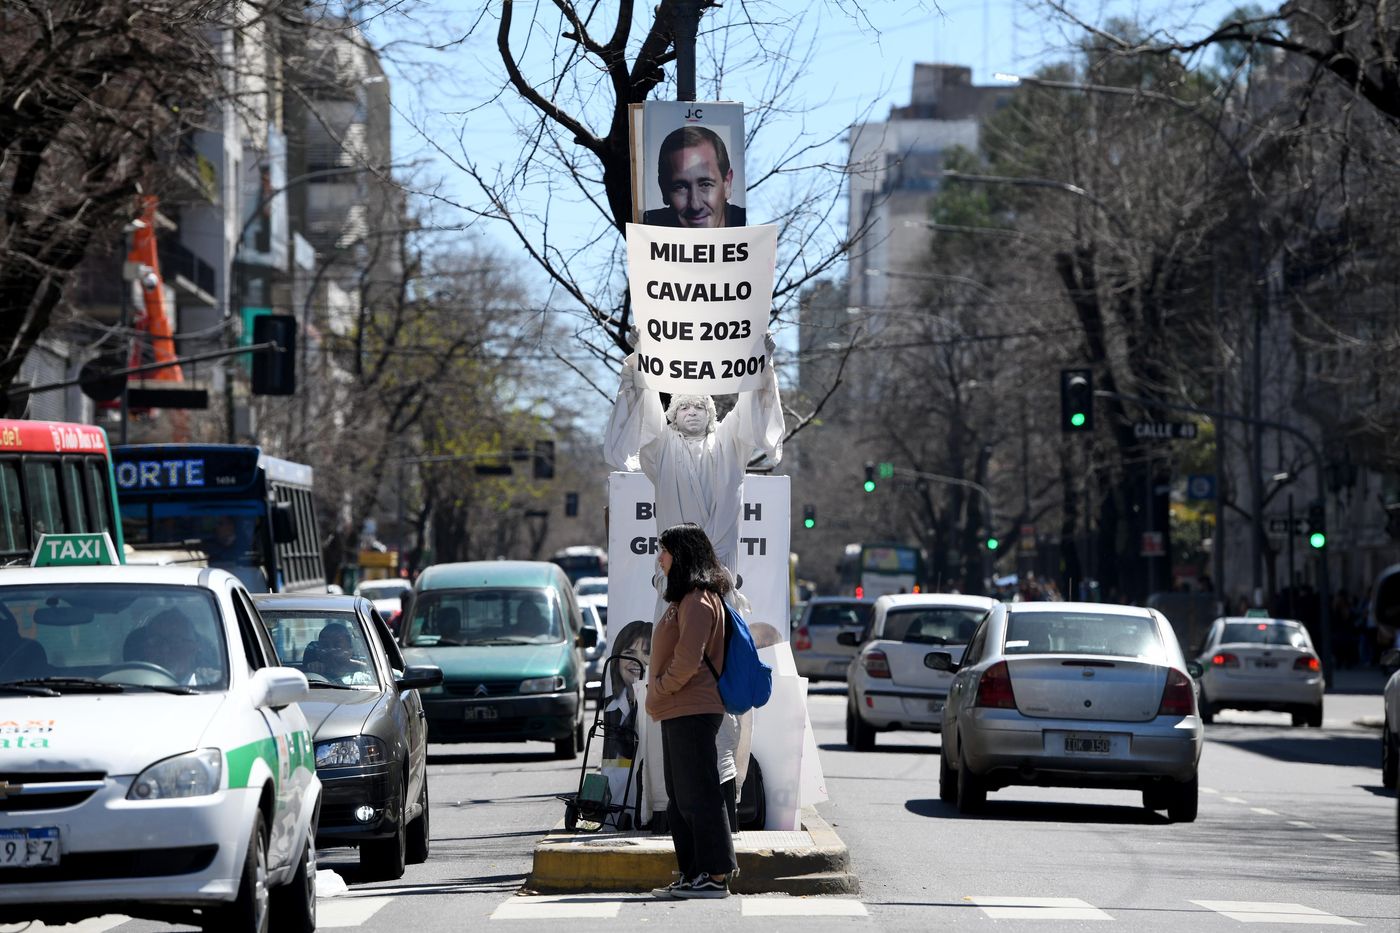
x: 802, y: 640
x: 876, y: 664
x: 1308, y: 663
x: 1179, y: 696
x: 860, y: 592
x: 1225, y: 659
x: 994, y: 689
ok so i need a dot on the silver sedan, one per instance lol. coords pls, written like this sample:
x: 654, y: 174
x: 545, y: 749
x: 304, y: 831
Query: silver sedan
x: 1071, y: 695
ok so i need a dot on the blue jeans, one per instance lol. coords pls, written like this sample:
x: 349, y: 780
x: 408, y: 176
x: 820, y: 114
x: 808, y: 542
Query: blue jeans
x: 697, y: 812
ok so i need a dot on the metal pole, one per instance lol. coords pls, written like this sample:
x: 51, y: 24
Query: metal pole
x: 684, y: 27
x: 125, y: 320
x: 1217, y: 551
x: 1292, y: 594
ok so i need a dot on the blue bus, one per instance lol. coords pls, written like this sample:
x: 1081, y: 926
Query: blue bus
x: 237, y: 507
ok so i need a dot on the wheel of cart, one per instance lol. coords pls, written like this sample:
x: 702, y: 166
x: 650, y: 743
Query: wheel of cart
x: 615, y: 722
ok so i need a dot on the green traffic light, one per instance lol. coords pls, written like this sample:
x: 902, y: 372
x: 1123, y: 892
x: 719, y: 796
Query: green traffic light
x: 1077, y: 419
x: 1317, y: 539
x: 870, y: 485
x: 993, y: 544
x: 809, y: 522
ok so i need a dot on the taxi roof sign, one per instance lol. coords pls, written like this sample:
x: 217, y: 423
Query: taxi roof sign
x: 1257, y: 614
x: 86, y: 549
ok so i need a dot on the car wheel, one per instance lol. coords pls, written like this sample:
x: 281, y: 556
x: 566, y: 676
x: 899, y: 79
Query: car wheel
x: 564, y: 748
x: 947, y: 777
x: 1390, y: 757
x: 418, y: 839
x: 384, y: 859
x: 1315, y: 716
x: 294, y: 904
x: 578, y: 736
x: 1181, y: 806
x: 1156, y: 798
x: 971, y: 789
x: 248, y: 913
x: 1207, y: 710
x: 1300, y: 717
x: 859, y: 734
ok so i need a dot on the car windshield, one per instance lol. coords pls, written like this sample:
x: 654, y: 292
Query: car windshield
x: 932, y: 625
x: 1264, y: 633
x: 389, y: 589
x: 137, y: 635
x: 1082, y: 633
x: 591, y: 586
x: 329, y: 647
x: 484, y: 617
x: 839, y: 613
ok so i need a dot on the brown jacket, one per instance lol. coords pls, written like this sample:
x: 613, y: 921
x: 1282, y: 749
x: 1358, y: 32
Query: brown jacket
x: 679, y: 683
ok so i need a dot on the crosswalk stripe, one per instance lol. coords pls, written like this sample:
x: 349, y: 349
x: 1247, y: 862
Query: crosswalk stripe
x: 1270, y: 912
x: 801, y: 907
x: 347, y: 911
x: 1389, y: 856
x: 566, y: 907
x: 1038, y: 908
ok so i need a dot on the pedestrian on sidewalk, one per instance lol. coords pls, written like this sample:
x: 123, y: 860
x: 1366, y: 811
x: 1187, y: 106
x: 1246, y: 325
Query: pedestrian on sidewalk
x: 683, y: 695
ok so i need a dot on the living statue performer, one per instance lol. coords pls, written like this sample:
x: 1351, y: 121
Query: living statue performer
x: 695, y: 463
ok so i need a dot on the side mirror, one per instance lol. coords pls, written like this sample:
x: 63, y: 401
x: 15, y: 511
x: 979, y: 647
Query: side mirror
x: 849, y: 639
x: 284, y: 530
x: 588, y: 637
x: 417, y: 676
x: 276, y: 687
x: 940, y: 661
x: 1195, y: 669
x: 1390, y: 661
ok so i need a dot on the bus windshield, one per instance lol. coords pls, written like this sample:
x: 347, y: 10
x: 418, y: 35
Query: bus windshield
x: 229, y: 533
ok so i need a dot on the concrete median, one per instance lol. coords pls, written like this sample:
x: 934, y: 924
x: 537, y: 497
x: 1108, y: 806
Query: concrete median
x: 811, y: 860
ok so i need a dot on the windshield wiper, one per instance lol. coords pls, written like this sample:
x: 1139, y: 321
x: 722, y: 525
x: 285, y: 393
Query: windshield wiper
x: 332, y: 685
x: 62, y: 684
x: 29, y: 690
x: 162, y: 688
x: 512, y: 640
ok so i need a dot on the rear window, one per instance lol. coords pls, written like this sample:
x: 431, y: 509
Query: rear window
x: 933, y: 626
x: 1082, y: 633
x: 839, y: 613
x: 483, y: 617
x: 1264, y: 633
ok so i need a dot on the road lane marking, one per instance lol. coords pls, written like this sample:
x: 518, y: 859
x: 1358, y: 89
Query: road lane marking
x: 1389, y: 856
x: 1263, y: 811
x: 562, y: 907
x: 1270, y: 912
x: 1301, y: 824
x: 1209, y: 790
x: 801, y: 907
x: 1038, y: 908
x: 1235, y: 800
x: 347, y: 911
x: 1338, y: 837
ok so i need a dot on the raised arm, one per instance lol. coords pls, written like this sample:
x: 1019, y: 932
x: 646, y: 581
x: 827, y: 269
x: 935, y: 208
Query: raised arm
x: 756, y: 421
x: 637, y: 419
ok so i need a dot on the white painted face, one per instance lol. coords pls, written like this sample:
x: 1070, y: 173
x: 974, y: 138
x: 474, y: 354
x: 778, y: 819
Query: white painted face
x: 692, y: 417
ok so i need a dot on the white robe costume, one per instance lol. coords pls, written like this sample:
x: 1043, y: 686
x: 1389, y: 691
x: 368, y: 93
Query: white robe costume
x: 699, y: 479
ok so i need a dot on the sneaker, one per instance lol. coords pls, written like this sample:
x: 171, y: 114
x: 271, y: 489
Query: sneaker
x: 671, y: 889
x: 703, y: 886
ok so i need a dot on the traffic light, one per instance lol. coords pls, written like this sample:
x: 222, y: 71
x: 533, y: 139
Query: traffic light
x: 1077, y: 401
x: 809, y: 516
x: 1317, y: 525
x: 992, y: 543
x: 870, y: 477
x: 275, y: 371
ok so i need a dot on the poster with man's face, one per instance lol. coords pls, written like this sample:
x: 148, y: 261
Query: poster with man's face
x: 688, y: 164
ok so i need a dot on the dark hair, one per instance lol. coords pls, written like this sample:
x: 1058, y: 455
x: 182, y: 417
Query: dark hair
x: 688, y: 137
x: 631, y: 633
x: 694, y: 565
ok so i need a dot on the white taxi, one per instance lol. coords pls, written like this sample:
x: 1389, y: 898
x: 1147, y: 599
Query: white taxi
x: 153, y: 759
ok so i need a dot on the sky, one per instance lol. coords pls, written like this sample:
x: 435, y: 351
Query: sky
x: 862, y: 55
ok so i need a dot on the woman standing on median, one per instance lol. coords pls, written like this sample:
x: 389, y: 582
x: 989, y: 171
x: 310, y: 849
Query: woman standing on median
x: 683, y: 696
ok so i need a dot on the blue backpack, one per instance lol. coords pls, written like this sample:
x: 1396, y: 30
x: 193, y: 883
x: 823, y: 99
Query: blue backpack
x: 746, y: 682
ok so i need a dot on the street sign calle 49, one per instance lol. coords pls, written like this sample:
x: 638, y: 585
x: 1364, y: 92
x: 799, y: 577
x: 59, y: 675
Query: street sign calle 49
x: 1164, y: 430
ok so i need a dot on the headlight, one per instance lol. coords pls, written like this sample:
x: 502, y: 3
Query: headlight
x: 196, y: 774
x: 542, y: 684
x: 351, y: 752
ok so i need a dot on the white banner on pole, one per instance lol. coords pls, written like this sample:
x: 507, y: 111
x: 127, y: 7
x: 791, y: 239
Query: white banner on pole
x: 701, y: 300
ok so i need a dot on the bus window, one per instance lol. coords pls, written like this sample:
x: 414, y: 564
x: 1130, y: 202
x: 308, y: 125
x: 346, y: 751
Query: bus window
x: 13, y: 534
x: 45, y: 506
x: 99, y: 496
x: 76, y: 515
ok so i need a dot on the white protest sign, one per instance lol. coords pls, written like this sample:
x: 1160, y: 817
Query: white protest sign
x: 701, y: 300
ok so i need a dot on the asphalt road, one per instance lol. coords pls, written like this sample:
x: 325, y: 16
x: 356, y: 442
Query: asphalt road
x: 1294, y: 832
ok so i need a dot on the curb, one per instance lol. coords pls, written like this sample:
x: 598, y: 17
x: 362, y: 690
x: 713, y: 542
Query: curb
x: 811, y: 861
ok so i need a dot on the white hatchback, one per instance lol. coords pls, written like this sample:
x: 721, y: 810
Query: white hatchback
x: 156, y: 763
x: 888, y: 685
x: 1261, y: 664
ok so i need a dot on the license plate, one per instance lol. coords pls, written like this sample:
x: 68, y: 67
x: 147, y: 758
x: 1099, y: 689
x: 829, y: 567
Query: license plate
x: 1266, y: 665
x: 26, y: 848
x: 479, y: 713
x: 1087, y: 745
